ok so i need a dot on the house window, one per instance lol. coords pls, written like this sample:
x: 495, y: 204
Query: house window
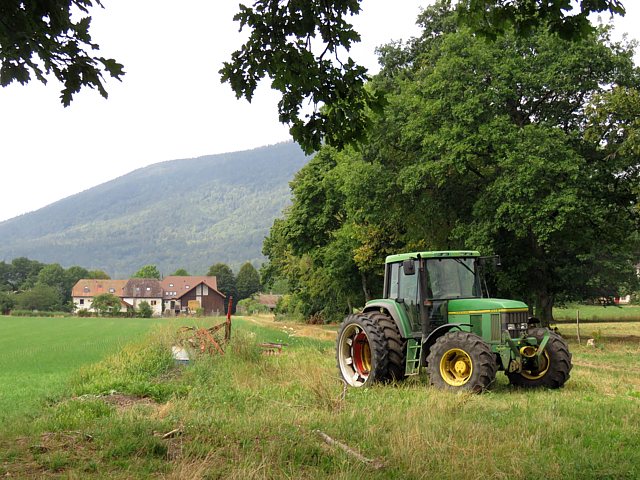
x: 186, y: 287
x: 171, y: 284
x: 86, y: 289
x: 153, y: 302
x: 82, y: 301
x: 148, y: 289
x: 112, y: 290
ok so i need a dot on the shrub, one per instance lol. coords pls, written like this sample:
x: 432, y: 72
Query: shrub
x: 83, y: 312
x: 251, y: 306
x: 106, y: 304
x: 145, y: 310
x: 37, y: 313
x: 7, y: 302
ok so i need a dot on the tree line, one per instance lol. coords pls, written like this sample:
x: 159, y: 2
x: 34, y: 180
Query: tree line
x: 31, y: 285
x: 523, y: 146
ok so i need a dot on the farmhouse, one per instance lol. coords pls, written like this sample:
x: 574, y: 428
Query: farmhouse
x: 269, y: 300
x: 85, y: 290
x: 171, y: 296
x: 182, y: 294
x: 138, y: 290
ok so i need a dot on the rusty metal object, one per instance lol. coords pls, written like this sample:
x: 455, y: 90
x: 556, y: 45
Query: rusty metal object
x: 204, y: 339
x: 270, y: 348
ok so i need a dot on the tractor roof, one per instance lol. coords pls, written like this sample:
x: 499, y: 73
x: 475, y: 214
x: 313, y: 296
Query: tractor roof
x: 439, y: 254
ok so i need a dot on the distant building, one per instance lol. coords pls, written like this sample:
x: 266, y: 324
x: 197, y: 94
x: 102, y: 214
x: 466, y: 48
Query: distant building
x: 138, y: 290
x: 186, y: 294
x: 85, y: 290
x: 171, y: 296
x: 269, y: 300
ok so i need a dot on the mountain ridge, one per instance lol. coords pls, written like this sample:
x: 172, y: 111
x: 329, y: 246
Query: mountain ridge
x: 184, y: 213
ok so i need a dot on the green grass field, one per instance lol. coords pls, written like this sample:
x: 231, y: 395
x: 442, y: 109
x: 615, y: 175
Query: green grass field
x: 246, y: 415
x: 597, y: 313
x: 37, y: 355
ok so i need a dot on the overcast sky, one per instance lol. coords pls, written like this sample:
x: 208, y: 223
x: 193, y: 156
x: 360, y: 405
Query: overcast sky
x: 170, y: 104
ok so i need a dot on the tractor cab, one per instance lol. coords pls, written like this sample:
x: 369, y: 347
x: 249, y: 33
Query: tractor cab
x: 426, y: 283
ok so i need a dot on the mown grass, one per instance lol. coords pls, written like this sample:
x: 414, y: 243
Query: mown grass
x: 37, y: 355
x: 246, y: 415
x: 609, y: 313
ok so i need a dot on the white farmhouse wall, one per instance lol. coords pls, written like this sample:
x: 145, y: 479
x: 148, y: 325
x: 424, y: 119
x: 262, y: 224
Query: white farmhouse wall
x: 157, y: 308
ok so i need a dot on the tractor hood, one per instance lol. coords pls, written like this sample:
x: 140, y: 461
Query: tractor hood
x: 472, y: 306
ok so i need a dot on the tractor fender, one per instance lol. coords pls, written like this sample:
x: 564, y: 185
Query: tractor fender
x: 428, y: 342
x: 391, y: 308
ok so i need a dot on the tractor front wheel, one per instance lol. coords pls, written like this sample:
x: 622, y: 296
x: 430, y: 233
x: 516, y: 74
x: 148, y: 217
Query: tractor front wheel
x: 369, y: 349
x: 461, y: 361
x: 553, y: 367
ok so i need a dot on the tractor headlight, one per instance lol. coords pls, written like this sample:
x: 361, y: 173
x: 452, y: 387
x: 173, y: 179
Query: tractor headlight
x: 524, y: 326
x: 511, y: 326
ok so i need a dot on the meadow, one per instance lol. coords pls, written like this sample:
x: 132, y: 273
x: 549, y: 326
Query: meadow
x: 136, y: 414
x: 37, y: 355
x: 597, y: 313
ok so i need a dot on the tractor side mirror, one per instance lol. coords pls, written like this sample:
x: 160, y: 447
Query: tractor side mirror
x: 409, y: 267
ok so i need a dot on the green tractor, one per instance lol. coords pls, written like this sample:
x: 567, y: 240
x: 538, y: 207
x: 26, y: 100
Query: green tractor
x: 436, y: 314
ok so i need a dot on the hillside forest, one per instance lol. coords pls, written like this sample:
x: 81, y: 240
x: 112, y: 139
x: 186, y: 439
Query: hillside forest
x: 525, y: 146
x: 176, y: 214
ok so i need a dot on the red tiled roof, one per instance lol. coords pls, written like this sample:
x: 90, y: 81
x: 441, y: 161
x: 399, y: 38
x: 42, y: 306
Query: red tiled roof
x: 88, y: 287
x: 181, y: 285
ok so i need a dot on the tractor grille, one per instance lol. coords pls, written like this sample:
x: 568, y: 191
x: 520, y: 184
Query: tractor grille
x: 515, y: 323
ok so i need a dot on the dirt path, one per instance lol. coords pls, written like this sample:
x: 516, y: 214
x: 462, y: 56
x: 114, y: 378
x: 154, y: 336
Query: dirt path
x: 322, y: 332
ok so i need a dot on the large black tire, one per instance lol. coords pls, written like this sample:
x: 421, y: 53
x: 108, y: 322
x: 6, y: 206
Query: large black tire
x: 370, y: 349
x: 553, y: 371
x: 461, y: 361
x: 396, y: 346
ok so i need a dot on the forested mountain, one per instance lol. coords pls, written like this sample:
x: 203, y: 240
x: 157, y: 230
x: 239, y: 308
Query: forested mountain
x: 187, y: 213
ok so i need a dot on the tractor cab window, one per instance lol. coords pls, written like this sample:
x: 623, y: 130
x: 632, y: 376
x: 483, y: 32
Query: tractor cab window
x: 452, y: 278
x: 408, y: 294
x: 393, y: 280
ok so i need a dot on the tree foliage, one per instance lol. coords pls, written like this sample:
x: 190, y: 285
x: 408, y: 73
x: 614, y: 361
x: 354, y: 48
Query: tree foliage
x: 247, y: 281
x: 40, y: 297
x: 181, y: 272
x: 570, y: 21
x: 517, y: 147
x: 20, y: 274
x: 145, y: 310
x: 106, y: 304
x: 148, y: 271
x: 98, y: 275
x: 226, y: 282
x: 41, y: 38
x: 7, y: 301
x: 297, y: 44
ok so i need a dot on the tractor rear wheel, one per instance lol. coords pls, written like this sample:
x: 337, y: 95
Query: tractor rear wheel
x: 552, y: 370
x: 370, y: 349
x: 461, y: 361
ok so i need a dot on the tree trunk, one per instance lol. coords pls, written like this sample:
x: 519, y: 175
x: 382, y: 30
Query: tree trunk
x: 541, y: 282
x: 544, y: 308
x: 365, y: 287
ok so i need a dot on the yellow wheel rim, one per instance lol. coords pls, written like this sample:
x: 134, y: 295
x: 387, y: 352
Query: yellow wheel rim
x: 539, y: 372
x: 456, y: 367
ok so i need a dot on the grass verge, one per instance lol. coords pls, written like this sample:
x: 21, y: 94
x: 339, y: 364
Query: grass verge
x: 246, y: 415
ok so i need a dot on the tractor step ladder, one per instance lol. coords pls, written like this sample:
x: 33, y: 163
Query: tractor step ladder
x: 414, y: 349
